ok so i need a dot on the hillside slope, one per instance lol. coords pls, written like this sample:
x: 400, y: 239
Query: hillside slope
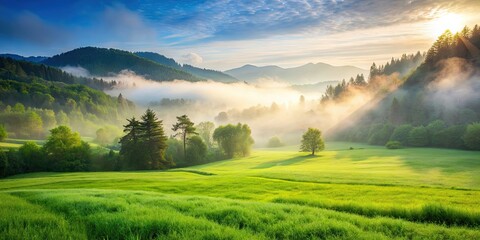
x: 201, y: 72
x: 35, y: 98
x: 105, y: 62
x: 436, y: 102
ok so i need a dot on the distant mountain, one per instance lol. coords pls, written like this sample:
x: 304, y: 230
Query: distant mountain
x: 306, y: 74
x: 201, y: 72
x: 319, y: 87
x: 22, y: 58
x: 104, y: 62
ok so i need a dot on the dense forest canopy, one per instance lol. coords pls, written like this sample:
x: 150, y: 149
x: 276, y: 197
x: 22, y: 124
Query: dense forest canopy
x: 436, y: 105
x: 34, y: 98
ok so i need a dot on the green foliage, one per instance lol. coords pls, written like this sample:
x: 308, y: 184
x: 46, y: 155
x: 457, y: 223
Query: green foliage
x: 379, y: 134
x: 234, y: 140
x: 144, y: 145
x: 205, y: 131
x: 153, y: 139
x: 174, y: 152
x: 472, y: 136
x: 450, y: 137
x: 196, y: 151
x: 107, y: 135
x: 184, y: 128
x: 275, y: 142
x: 393, y: 145
x: 46, y: 97
x: 418, y: 137
x: 3, y: 164
x: 33, y: 157
x: 23, y: 71
x: 312, y: 141
x: 65, y: 151
x: 109, y: 161
x: 401, y: 134
x: 3, y: 133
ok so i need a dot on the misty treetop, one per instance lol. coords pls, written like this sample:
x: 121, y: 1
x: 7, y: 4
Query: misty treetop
x: 234, y: 140
x: 435, y: 106
x: 382, y: 78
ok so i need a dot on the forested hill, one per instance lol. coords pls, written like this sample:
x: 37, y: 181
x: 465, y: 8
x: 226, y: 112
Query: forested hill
x: 35, y: 98
x: 24, y: 71
x: 34, y: 59
x: 435, y: 106
x: 104, y: 62
x: 201, y: 72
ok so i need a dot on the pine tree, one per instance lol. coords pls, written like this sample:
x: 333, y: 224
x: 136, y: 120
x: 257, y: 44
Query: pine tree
x: 154, y: 142
x: 185, y: 127
x: 131, y: 144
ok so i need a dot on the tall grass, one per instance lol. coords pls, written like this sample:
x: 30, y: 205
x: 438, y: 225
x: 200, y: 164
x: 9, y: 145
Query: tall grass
x: 144, y: 215
x: 428, y: 213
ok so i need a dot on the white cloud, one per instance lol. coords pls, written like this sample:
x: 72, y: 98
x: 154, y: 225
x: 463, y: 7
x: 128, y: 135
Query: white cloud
x: 192, y: 59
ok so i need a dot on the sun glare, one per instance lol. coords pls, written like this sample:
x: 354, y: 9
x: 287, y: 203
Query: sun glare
x: 451, y: 21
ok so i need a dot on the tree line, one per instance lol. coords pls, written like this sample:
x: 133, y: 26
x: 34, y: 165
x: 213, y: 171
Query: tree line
x: 144, y: 146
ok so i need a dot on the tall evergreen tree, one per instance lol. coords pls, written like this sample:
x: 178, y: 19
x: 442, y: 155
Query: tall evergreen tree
x: 131, y: 144
x: 154, y: 142
x: 184, y: 127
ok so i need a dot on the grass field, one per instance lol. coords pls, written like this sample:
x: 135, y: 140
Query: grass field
x: 364, y: 193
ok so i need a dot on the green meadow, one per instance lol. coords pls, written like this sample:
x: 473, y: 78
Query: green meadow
x: 348, y: 191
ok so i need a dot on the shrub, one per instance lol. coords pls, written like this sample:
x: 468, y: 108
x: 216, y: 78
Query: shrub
x: 400, y: 134
x: 3, y: 133
x: 450, y: 137
x: 472, y: 136
x: 379, y: 134
x: 275, y: 142
x: 393, y: 145
x: 418, y: 137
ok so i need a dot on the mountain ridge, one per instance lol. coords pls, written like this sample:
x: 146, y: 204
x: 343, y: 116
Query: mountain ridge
x: 309, y: 73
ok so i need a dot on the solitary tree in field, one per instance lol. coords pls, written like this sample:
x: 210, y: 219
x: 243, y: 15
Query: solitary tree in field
x: 184, y: 127
x: 312, y: 141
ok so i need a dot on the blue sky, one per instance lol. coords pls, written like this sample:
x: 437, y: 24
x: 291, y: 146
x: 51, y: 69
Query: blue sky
x: 223, y: 34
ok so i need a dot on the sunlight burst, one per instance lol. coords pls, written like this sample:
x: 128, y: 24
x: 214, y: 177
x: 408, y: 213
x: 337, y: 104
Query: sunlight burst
x: 451, y: 21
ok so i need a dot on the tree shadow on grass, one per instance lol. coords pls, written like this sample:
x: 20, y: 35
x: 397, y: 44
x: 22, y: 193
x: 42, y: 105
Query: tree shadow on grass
x: 285, y: 162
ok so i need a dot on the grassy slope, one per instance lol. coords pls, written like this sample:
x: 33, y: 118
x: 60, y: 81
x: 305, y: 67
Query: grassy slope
x: 368, y: 192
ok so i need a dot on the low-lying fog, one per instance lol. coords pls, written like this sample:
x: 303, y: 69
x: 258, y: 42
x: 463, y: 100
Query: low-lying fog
x: 268, y: 107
